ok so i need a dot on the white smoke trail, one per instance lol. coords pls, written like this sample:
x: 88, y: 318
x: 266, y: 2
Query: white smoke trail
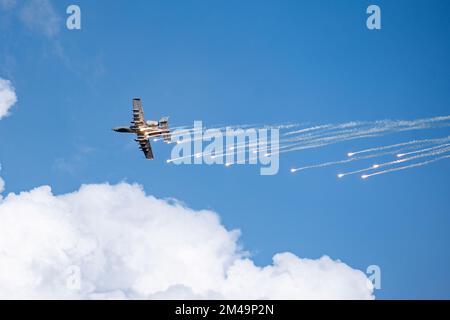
x: 373, y: 129
x: 413, y: 142
x: 282, y: 126
x: 328, y: 127
x: 352, y: 159
x: 426, y: 154
x: 332, y: 133
x: 224, y: 131
x: 196, y: 155
x: 302, y: 146
x: 390, y: 163
x: 237, y: 148
x: 414, y: 165
x: 400, y: 155
x: 340, y: 136
x: 326, y: 134
x: 383, y: 125
x: 326, y: 164
x: 322, y: 142
x: 323, y: 135
x: 345, y: 135
x: 332, y: 163
x: 305, y: 130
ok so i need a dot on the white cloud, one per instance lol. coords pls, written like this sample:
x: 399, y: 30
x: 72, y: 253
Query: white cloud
x: 40, y: 16
x: 7, y: 97
x: 2, y: 185
x: 130, y: 245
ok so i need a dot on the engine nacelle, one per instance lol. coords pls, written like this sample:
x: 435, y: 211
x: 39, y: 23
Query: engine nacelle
x: 164, y: 123
x: 152, y: 123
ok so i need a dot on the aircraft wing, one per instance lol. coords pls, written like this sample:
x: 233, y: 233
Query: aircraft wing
x: 138, y: 113
x: 144, y: 145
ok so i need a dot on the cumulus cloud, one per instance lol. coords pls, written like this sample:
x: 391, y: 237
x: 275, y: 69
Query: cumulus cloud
x: 40, y: 16
x: 114, y: 241
x: 7, y: 97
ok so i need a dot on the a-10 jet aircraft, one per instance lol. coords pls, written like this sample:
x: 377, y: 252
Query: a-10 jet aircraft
x: 146, y: 129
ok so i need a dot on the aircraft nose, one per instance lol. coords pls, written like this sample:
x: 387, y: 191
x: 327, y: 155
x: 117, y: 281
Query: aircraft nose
x: 122, y: 129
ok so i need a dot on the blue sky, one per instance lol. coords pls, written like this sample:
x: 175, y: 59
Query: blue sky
x: 239, y: 62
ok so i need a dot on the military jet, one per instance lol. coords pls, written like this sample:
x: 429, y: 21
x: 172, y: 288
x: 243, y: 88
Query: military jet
x: 146, y: 129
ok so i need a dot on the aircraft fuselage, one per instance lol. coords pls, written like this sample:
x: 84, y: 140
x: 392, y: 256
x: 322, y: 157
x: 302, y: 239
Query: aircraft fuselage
x: 147, y: 130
